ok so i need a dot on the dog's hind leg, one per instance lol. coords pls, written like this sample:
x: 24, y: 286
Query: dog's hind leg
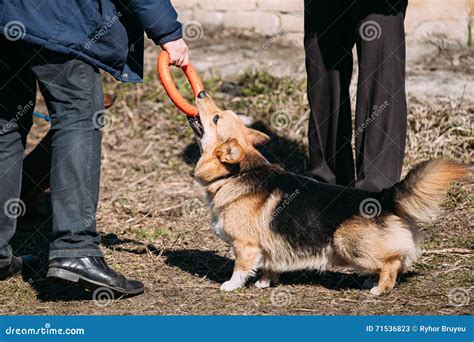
x: 268, y: 278
x: 388, y: 277
x: 247, y: 258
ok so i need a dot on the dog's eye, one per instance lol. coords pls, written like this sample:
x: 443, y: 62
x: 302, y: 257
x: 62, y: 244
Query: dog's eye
x: 215, y: 119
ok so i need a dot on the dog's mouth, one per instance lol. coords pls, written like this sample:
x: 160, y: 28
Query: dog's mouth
x: 202, y: 102
x: 196, y: 125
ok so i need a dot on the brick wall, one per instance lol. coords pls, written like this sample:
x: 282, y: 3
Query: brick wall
x: 430, y: 18
x: 267, y: 17
x: 426, y: 19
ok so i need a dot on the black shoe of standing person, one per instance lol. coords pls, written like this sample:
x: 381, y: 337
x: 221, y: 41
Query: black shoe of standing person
x: 92, y: 273
x: 15, y: 267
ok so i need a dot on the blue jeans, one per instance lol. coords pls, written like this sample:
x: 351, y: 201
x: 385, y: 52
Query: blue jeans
x: 73, y: 94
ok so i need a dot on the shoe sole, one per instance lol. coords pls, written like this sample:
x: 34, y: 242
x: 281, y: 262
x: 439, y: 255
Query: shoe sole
x: 59, y: 273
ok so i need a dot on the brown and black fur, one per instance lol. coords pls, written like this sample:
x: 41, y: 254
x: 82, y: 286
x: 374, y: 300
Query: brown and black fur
x: 278, y: 221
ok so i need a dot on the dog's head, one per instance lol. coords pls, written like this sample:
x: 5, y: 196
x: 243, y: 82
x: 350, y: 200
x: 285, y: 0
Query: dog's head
x: 226, y: 143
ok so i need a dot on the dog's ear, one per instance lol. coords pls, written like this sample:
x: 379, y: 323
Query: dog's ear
x: 257, y: 137
x: 230, y: 152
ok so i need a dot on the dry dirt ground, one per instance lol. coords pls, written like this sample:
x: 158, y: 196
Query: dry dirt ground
x: 155, y: 225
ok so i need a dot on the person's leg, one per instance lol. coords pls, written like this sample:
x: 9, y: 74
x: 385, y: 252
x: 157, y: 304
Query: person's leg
x: 73, y: 94
x: 36, y: 176
x: 17, y: 102
x: 381, y: 111
x: 72, y: 91
x: 37, y: 165
x: 329, y: 39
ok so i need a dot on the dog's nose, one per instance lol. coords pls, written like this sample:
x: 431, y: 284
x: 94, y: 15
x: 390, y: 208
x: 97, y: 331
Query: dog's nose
x: 202, y: 94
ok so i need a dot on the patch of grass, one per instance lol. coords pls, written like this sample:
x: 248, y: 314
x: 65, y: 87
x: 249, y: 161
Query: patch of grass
x: 152, y: 233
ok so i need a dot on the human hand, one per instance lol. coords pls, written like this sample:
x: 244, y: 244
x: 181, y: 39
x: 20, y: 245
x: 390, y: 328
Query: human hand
x: 178, y: 51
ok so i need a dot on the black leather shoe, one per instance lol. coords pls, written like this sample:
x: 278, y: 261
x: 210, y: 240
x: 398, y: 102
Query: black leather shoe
x: 13, y: 269
x: 92, y: 273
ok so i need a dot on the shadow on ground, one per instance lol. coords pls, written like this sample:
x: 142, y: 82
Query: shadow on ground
x: 219, y: 269
x: 208, y: 264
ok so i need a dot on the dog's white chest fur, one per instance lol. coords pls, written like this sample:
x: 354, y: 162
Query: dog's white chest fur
x: 218, y: 229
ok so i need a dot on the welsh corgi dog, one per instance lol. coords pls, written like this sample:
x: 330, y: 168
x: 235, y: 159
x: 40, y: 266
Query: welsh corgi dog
x: 277, y: 221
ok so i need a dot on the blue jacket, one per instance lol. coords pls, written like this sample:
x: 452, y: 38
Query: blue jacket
x: 105, y: 33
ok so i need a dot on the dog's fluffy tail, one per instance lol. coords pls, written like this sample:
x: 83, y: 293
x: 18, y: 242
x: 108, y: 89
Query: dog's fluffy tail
x: 421, y: 192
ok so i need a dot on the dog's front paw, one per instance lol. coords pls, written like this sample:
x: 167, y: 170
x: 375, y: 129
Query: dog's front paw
x: 230, y: 286
x: 376, y: 291
x: 263, y: 283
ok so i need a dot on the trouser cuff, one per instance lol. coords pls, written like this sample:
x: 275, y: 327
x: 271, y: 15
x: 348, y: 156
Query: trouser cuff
x: 75, y: 253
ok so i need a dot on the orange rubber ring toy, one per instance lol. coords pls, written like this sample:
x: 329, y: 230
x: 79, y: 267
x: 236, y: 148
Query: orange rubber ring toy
x: 163, y: 66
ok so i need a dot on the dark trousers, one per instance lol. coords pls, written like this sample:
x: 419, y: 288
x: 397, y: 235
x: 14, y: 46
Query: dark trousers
x: 376, y: 27
x: 73, y: 94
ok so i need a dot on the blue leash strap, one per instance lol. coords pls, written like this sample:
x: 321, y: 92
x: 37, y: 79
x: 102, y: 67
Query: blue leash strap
x: 42, y: 116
